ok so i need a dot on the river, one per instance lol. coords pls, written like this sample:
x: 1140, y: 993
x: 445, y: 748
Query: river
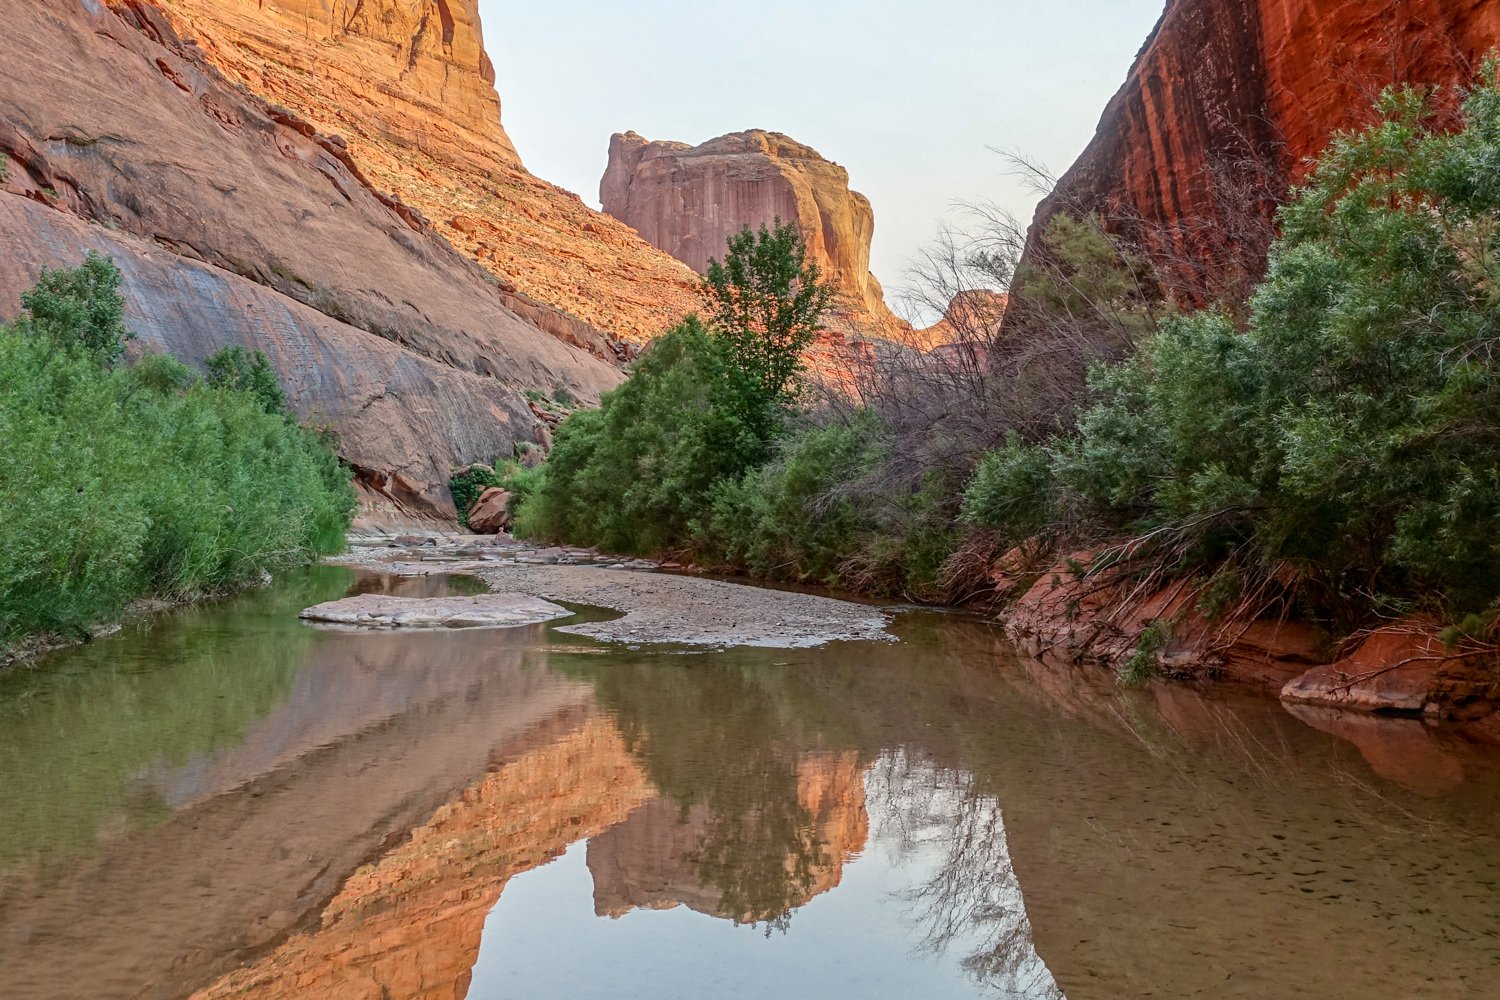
x: 230, y: 803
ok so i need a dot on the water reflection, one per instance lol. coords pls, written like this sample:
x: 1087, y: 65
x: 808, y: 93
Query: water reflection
x: 970, y: 904
x: 232, y: 805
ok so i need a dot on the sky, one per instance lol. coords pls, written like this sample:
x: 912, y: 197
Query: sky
x: 913, y: 98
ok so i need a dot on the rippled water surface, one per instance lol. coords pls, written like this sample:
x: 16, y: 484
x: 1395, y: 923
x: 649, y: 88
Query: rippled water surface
x: 231, y: 804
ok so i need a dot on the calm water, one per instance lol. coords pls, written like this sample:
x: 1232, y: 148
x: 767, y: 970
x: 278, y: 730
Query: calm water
x: 231, y: 804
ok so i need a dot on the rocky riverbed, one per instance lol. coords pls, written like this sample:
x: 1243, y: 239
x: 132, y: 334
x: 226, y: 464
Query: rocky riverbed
x: 658, y: 607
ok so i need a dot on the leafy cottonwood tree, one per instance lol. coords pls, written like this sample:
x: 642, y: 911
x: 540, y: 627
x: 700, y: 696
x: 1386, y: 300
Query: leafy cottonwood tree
x: 702, y: 406
x: 767, y: 302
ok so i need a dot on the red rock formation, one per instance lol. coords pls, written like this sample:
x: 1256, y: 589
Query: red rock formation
x: 688, y: 200
x: 1071, y: 614
x: 1403, y: 667
x: 236, y: 222
x: 407, y: 85
x: 1228, y: 99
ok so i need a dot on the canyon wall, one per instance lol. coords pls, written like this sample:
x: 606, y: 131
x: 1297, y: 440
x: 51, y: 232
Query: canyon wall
x: 1228, y: 100
x: 407, y: 87
x: 237, y: 222
x: 688, y: 200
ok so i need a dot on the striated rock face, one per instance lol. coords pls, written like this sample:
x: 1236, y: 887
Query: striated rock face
x: 688, y: 200
x: 417, y: 66
x: 1228, y: 99
x: 239, y: 223
x: 407, y: 85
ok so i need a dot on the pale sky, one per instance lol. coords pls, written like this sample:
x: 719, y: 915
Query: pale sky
x: 909, y: 97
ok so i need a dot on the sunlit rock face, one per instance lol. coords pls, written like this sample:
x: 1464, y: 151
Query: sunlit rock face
x: 748, y: 866
x: 688, y: 200
x: 408, y: 87
x: 239, y: 222
x: 1228, y: 99
x: 416, y: 68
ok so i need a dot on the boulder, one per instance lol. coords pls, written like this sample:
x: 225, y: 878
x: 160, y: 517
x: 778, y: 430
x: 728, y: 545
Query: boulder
x: 1403, y: 668
x: 490, y: 514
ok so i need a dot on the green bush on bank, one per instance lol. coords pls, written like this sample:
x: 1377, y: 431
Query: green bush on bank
x: 129, y: 481
x: 634, y: 474
x: 1350, y: 430
x: 704, y: 405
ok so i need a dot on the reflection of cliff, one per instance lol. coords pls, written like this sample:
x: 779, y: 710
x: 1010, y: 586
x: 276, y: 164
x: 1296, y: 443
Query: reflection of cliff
x: 656, y: 858
x: 409, y: 925
x: 271, y: 830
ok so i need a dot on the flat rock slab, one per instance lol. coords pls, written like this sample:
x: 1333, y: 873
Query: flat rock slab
x: 508, y: 610
x: 660, y: 608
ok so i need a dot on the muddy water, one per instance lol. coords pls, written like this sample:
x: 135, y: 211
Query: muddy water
x: 231, y: 804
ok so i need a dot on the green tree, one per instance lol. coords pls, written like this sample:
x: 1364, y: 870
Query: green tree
x: 702, y: 406
x: 236, y: 368
x: 80, y: 306
x: 767, y: 302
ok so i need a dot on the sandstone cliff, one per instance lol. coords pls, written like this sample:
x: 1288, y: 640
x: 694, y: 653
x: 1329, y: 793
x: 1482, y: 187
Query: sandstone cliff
x: 688, y: 200
x: 237, y: 222
x: 407, y: 86
x: 1229, y: 98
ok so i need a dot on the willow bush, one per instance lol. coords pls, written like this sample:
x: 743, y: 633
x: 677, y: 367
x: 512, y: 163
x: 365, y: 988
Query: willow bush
x: 127, y: 481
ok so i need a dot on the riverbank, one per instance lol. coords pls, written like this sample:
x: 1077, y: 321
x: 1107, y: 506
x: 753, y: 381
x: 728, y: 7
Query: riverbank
x: 1063, y: 614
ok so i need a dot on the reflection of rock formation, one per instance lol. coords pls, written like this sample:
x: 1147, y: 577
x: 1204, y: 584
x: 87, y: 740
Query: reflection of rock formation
x: 688, y: 200
x: 380, y: 733
x: 409, y: 925
x: 654, y: 860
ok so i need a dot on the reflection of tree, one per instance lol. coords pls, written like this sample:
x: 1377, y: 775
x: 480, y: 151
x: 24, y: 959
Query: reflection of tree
x: 972, y: 900
x: 711, y: 738
x: 84, y: 725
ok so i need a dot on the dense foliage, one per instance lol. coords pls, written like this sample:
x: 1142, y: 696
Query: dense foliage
x: 1349, y: 433
x: 128, y: 481
x: 704, y: 405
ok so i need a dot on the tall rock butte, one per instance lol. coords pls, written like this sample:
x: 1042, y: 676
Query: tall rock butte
x: 407, y: 86
x: 1228, y: 99
x: 688, y: 200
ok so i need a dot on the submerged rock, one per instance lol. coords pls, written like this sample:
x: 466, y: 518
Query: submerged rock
x: 480, y: 611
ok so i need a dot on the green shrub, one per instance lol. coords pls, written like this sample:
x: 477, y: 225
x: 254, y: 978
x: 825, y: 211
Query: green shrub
x: 132, y: 481
x: 632, y: 475
x: 238, y: 369
x: 1012, y: 490
x: 468, y: 484
x: 80, y: 308
x: 790, y: 519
